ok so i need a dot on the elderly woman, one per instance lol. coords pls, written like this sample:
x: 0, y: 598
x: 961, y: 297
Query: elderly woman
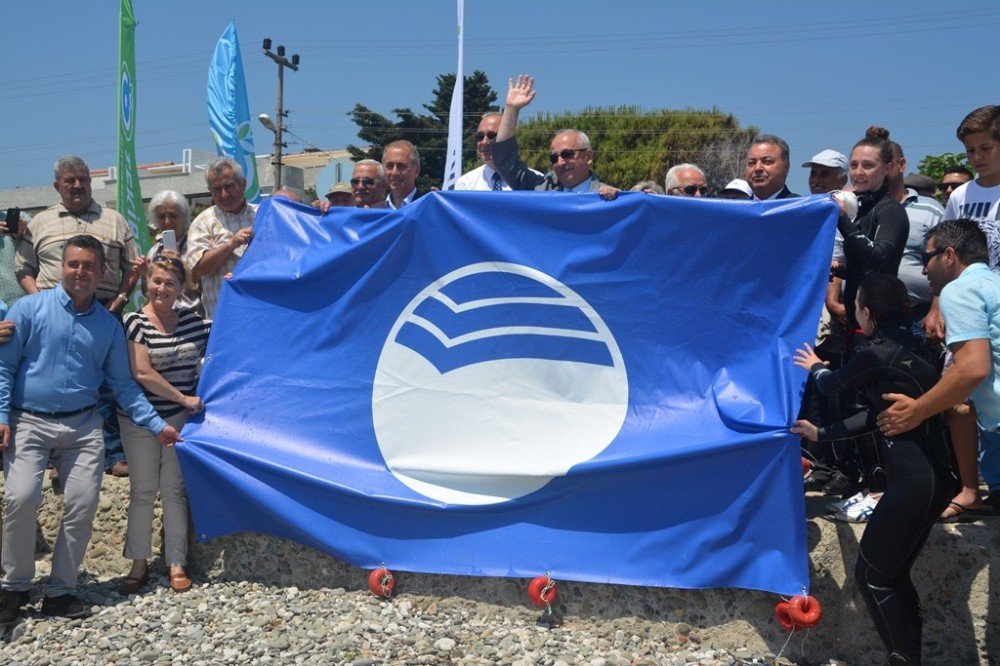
x: 165, y: 344
x: 168, y: 211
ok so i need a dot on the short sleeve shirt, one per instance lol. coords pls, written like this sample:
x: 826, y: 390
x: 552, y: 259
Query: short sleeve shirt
x: 981, y: 204
x: 970, y: 305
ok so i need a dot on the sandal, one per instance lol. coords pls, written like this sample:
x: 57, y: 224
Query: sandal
x: 131, y: 584
x: 960, y: 513
x: 179, y: 582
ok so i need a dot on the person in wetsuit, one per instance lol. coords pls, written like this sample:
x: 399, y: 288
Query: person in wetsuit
x: 920, y: 474
x: 873, y: 243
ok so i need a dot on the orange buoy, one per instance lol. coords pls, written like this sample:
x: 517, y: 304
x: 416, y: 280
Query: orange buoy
x: 382, y: 582
x: 805, y: 611
x: 542, y: 591
x: 784, y: 619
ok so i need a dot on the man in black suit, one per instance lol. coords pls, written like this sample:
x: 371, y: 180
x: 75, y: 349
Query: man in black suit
x: 401, y: 161
x: 767, y: 168
x: 572, y: 155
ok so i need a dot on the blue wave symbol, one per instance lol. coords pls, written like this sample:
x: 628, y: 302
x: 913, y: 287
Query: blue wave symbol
x: 497, y: 315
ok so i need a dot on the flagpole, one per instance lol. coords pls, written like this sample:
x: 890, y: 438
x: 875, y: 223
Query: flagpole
x: 453, y: 164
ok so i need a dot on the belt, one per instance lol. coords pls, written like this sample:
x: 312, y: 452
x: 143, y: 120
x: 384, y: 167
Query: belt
x: 55, y: 415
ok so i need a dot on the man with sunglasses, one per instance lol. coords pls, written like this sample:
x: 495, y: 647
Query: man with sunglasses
x: 485, y: 177
x: 686, y: 180
x: 368, y: 184
x: 956, y: 262
x: 953, y: 178
x: 572, y: 155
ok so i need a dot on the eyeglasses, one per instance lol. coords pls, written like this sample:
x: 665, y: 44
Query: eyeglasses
x: 566, y: 153
x: 925, y: 257
x: 492, y: 136
x: 950, y: 186
x: 367, y: 182
x: 691, y: 189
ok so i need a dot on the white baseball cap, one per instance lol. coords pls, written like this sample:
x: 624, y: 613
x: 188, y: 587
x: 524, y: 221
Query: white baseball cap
x: 829, y: 158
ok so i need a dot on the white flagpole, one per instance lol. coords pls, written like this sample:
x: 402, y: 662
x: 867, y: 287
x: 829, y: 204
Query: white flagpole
x: 453, y: 164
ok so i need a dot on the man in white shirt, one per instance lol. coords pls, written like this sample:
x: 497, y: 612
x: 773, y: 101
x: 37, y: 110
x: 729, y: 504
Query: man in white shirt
x: 485, y: 177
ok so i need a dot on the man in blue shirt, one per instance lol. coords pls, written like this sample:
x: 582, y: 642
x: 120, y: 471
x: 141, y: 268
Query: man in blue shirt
x: 64, y: 346
x: 956, y: 263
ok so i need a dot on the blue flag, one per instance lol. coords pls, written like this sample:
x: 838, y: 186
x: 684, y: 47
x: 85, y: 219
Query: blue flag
x: 229, y: 111
x: 598, y: 390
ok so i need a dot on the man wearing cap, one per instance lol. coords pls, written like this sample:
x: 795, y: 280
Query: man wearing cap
x: 737, y: 189
x: 685, y: 180
x: 827, y: 171
x: 767, y: 168
x: 485, y: 177
x: 921, y: 184
x: 340, y: 194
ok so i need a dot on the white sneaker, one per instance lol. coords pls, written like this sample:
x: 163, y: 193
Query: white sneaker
x: 842, y: 505
x: 860, y: 512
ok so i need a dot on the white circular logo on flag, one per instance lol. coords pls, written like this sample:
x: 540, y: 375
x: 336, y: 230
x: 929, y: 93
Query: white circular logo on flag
x: 128, y: 101
x: 495, y: 379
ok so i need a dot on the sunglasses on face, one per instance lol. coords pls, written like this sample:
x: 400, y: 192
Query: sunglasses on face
x: 566, y: 153
x: 492, y: 136
x: 950, y: 186
x: 691, y: 189
x: 367, y: 182
x: 925, y: 257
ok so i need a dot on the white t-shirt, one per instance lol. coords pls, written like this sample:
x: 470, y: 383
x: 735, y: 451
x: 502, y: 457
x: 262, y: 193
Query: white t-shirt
x: 981, y: 204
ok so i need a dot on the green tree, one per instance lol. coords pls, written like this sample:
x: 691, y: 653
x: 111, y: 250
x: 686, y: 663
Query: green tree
x: 429, y: 131
x: 935, y: 165
x: 631, y: 144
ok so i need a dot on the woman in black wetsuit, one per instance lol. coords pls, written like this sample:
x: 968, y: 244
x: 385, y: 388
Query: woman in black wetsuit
x: 919, y: 471
x: 873, y: 243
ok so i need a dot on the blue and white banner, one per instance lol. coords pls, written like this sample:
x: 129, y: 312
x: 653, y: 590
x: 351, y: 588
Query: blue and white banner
x: 599, y: 390
x: 229, y: 111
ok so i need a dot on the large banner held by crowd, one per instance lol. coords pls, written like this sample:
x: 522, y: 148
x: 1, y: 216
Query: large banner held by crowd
x: 507, y: 385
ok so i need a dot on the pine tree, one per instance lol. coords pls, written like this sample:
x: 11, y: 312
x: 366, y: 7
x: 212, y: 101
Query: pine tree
x: 428, y: 132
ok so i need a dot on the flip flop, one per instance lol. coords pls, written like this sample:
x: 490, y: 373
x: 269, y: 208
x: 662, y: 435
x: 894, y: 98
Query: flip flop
x: 963, y: 514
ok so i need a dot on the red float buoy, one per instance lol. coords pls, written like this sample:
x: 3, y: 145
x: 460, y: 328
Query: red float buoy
x: 542, y: 591
x: 805, y: 611
x: 382, y: 582
x: 784, y: 619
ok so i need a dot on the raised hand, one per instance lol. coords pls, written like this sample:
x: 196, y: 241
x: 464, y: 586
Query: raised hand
x: 520, y: 92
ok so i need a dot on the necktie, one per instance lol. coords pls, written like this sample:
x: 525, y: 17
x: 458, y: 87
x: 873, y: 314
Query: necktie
x: 497, y: 182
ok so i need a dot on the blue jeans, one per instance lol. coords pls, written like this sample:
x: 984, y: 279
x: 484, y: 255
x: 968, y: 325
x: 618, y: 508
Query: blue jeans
x: 989, y: 459
x: 114, y: 452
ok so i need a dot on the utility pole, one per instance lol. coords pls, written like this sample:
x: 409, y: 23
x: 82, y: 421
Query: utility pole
x: 279, y: 121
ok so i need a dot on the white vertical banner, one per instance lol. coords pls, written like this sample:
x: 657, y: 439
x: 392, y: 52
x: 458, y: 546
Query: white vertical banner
x: 453, y: 163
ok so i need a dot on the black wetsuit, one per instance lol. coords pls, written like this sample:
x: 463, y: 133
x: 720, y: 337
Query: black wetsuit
x: 873, y: 244
x: 921, y: 480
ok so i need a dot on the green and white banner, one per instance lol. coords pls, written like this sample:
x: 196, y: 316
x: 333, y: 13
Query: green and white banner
x: 128, y: 194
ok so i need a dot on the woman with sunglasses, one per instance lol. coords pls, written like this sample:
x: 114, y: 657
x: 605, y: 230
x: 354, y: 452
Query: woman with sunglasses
x: 165, y: 345
x: 873, y: 243
x: 921, y: 476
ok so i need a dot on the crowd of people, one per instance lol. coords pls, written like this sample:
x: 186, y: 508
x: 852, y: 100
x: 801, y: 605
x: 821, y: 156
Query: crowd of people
x: 901, y: 414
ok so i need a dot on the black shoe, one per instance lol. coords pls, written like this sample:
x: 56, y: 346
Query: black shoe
x: 815, y: 479
x: 839, y: 484
x: 65, y: 605
x: 11, y: 603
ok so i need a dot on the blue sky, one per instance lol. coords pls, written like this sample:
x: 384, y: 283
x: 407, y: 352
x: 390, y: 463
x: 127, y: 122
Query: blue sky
x: 817, y: 74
